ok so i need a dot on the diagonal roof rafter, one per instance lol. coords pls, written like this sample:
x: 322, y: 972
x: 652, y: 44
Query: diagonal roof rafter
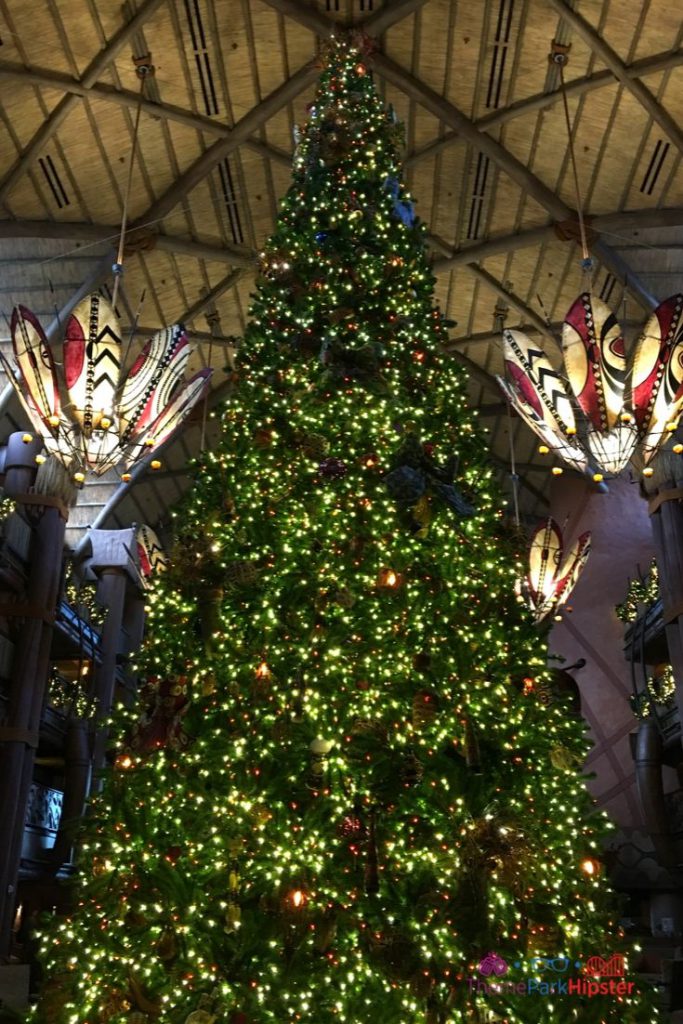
x: 540, y: 101
x: 620, y: 71
x: 65, y: 105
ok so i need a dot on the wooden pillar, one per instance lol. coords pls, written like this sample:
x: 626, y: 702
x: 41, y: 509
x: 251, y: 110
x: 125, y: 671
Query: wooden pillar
x: 109, y: 557
x: 111, y: 593
x: 664, y: 491
x: 28, y: 682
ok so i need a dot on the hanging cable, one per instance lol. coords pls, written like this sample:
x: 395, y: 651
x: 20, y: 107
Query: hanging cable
x: 499, y: 318
x: 143, y: 69
x: 559, y: 57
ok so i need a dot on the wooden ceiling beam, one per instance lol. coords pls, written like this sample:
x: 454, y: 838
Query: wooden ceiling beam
x: 97, y: 277
x: 48, y: 79
x: 223, y: 340
x: 627, y: 220
x: 374, y: 25
x: 388, y: 15
x: 475, y: 371
x: 306, y: 16
x: 577, y: 87
x: 449, y: 114
x: 82, y: 232
x: 202, y: 304
x: 57, y: 116
x: 239, y: 134
x: 619, y: 69
x: 509, y: 297
x: 494, y: 247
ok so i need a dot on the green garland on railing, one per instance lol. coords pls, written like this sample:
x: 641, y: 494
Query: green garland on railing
x: 659, y: 692
x: 643, y: 590
x: 70, y: 695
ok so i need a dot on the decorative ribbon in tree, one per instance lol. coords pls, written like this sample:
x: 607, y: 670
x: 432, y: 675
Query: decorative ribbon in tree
x: 552, y: 575
x: 615, y: 419
x: 91, y: 418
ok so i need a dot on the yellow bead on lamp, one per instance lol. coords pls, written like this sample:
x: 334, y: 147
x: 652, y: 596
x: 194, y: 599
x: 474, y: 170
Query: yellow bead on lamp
x: 648, y: 471
x: 155, y: 464
x: 126, y: 478
x: 53, y: 420
x: 543, y: 449
x: 557, y: 471
x: 27, y: 438
x: 40, y: 459
x: 79, y: 477
x: 677, y: 448
x: 598, y: 477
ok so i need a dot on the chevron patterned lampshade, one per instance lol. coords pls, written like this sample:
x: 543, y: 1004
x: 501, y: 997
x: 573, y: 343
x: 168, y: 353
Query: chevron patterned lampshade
x: 617, y: 406
x: 91, y: 418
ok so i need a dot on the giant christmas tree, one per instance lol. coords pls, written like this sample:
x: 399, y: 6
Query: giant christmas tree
x: 345, y: 800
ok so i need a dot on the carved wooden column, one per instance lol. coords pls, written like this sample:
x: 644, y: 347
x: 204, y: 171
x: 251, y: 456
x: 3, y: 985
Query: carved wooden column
x: 47, y: 507
x: 112, y: 559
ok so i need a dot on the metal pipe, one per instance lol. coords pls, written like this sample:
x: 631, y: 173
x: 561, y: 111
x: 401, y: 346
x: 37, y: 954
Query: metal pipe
x: 648, y: 759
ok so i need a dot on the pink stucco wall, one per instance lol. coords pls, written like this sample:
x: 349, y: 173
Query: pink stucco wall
x: 621, y: 541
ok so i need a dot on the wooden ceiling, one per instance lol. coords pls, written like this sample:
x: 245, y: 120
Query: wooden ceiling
x: 487, y: 161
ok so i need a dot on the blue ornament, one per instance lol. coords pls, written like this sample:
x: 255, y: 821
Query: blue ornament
x: 405, y: 484
x: 403, y: 209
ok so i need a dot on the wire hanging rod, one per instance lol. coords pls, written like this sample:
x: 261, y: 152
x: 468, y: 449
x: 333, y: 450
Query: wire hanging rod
x: 559, y: 56
x: 143, y: 69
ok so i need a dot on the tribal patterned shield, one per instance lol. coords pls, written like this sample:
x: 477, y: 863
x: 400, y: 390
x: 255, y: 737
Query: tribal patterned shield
x: 92, y: 361
x: 657, y: 377
x: 551, y: 576
x: 595, y: 360
x: 151, y: 553
x: 569, y: 451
